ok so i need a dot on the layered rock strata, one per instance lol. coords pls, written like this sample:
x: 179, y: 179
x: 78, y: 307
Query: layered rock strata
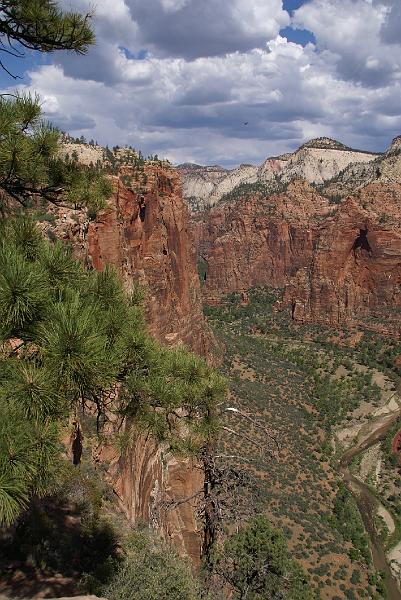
x: 317, y: 161
x: 258, y: 241
x: 355, y: 271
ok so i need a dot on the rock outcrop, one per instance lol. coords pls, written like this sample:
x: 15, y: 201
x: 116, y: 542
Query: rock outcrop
x: 258, y: 240
x: 317, y: 161
x: 355, y: 272
x: 157, y: 488
x: 385, y: 168
x: 144, y: 234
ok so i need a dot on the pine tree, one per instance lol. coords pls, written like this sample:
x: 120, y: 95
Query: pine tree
x: 69, y: 336
x: 41, y: 25
x: 256, y: 564
x: 31, y: 166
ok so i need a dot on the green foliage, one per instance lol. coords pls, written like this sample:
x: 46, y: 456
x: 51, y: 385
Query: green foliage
x: 72, y: 335
x: 333, y: 397
x: 42, y: 25
x: 256, y: 564
x: 349, y: 521
x: 274, y: 365
x: 30, y: 165
x: 174, y: 394
x: 245, y: 190
x: 151, y: 570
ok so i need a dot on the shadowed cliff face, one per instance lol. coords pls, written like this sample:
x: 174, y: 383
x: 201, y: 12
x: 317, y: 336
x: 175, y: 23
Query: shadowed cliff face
x: 338, y: 264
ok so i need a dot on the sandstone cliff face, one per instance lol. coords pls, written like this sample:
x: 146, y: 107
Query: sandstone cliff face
x: 355, y: 272
x: 144, y: 234
x: 385, y: 168
x: 154, y: 487
x: 258, y: 241
x: 317, y: 161
x: 339, y: 264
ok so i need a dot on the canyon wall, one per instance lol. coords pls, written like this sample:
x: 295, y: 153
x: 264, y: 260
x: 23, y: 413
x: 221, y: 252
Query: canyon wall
x: 144, y: 234
x: 338, y: 263
x: 355, y: 272
x: 258, y: 240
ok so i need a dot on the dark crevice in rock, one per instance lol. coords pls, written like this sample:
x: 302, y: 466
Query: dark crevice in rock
x: 362, y: 242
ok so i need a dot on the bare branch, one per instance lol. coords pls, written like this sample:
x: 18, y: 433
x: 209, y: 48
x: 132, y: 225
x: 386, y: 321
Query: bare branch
x: 173, y: 504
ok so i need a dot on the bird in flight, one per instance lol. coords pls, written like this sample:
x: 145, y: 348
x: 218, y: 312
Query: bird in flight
x: 246, y: 122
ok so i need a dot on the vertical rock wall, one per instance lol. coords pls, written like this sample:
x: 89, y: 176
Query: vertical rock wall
x: 144, y: 234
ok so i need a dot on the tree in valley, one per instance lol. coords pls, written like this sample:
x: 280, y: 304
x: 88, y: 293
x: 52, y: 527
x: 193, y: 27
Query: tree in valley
x: 255, y: 564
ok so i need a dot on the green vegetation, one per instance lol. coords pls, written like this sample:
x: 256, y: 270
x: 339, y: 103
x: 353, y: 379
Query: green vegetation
x: 30, y: 165
x: 256, y: 564
x: 349, y: 521
x: 297, y: 381
x: 202, y: 270
x: 151, y: 570
x: 333, y: 397
x: 68, y: 336
x: 245, y: 190
x: 66, y: 532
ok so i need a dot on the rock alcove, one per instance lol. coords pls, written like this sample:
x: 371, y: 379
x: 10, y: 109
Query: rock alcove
x: 361, y: 243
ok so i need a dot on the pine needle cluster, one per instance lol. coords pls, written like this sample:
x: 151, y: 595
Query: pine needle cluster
x: 41, y: 25
x: 31, y: 166
x: 71, y: 336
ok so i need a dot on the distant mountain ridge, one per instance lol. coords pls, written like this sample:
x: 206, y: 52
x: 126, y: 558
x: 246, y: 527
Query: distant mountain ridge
x: 317, y: 161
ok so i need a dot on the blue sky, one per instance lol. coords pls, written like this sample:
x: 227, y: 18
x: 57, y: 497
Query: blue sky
x: 181, y: 77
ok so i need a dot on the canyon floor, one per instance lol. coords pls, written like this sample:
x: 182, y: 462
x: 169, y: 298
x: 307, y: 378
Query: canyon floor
x: 318, y: 393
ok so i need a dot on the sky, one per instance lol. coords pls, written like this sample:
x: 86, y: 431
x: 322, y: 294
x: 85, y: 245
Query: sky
x: 226, y: 81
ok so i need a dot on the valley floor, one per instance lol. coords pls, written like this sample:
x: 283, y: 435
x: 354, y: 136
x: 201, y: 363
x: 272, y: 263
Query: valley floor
x: 320, y: 393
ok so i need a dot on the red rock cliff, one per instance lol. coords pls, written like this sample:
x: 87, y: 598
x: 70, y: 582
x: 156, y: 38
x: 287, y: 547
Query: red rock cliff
x: 339, y: 264
x: 258, y: 241
x: 145, y: 235
x: 355, y: 271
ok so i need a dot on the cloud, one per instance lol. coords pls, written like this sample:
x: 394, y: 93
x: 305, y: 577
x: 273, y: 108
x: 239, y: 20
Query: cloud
x: 171, y: 6
x: 180, y: 78
x: 192, y: 29
x: 390, y: 32
x: 351, y: 31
